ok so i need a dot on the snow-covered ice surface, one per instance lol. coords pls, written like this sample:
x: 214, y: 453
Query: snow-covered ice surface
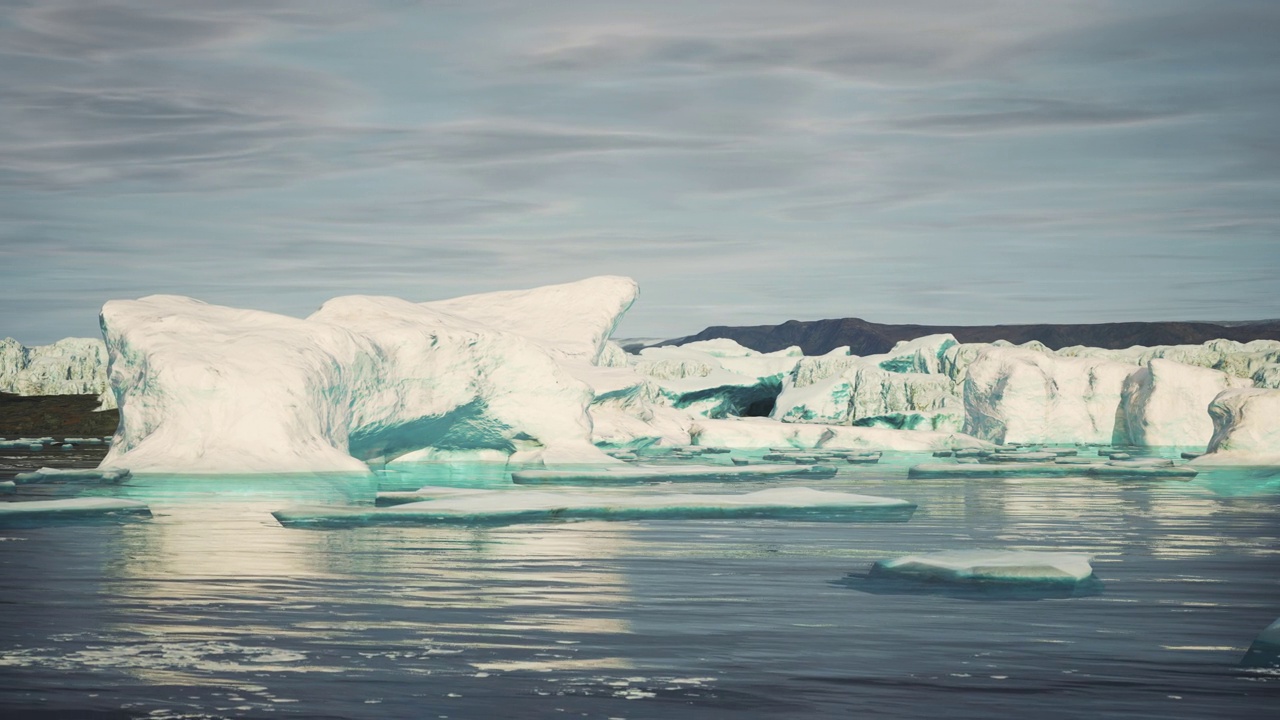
x: 71, y: 366
x: 503, y: 507
x: 990, y: 566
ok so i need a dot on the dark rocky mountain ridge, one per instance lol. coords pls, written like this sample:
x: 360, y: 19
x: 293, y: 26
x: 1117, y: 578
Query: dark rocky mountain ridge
x: 816, y: 337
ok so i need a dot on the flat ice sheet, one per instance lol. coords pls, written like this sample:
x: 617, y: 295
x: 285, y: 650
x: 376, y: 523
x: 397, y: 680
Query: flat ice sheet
x: 667, y: 473
x: 990, y: 566
x: 71, y: 507
x: 44, y: 474
x: 505, y: 507
x: 1052, y: 469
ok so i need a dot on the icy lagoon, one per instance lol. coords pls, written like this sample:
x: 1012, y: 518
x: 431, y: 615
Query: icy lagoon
x: 211, y: 608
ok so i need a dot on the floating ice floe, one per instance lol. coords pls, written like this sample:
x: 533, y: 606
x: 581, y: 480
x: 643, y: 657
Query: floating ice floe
x: 72, y: 507
x: 1020, y: 395
x: 100, y: 474
x: 999, y: 566
x: 667, y: 473
x: 71, y: 366
x: 1112, y: 469
x: 8, y: 487
x: 503, y: 507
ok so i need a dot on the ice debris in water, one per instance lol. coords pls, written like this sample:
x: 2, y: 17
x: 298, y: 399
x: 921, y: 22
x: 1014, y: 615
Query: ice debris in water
x: 100, y: 474
x: 503, y: 507
x: 667, y: 473
x: 989, y: 566
x: 71, y: 507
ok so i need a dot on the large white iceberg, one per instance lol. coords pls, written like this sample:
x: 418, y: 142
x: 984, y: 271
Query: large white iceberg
x: 1246, y: 428
x: 210, y: 389
x: 1016, y: 395
x: 1166, y: 403
x: 502, y: 507
x: 748, y: 433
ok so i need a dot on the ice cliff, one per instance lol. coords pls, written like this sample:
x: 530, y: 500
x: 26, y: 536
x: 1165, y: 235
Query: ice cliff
x: 71, y: 366
x: 211, y: 389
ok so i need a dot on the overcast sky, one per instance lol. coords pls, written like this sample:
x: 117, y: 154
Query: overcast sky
x: 748, y: 162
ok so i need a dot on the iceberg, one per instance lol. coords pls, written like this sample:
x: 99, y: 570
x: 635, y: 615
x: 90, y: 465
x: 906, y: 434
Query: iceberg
x: 79, y: 507
x: 211, y: 389
x: 71, y: 366
x: 667, y: 473
x: 1024, y: 396
x: 1246, y: 428
x: 754, y: 433
x: 1166, y: 403
x: 717, y: 378
x: 993, y: 566
x: 505, y: 507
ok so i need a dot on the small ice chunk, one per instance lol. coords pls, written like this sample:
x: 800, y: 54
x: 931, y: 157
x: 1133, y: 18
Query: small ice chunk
x: 505, y: 507
x: 668, y: 473
x: 71, y: 507
x: 1020, y: 457
x: 990, y: 566
x: 83, y: 441
x: 8, y: 487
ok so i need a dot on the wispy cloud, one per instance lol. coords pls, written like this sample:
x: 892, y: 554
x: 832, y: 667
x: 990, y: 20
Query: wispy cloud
x: 747, y: 161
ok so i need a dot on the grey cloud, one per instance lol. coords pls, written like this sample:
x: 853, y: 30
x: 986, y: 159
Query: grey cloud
x: 497, y: 142
x: 431, y: 212
x: 1031, y: 114
x: 97, y: 29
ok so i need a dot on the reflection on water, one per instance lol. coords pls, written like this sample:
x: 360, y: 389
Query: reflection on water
x: 212, y: 609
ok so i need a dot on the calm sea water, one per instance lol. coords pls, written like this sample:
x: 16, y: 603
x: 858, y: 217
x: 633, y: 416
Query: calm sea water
x: 211, y: 609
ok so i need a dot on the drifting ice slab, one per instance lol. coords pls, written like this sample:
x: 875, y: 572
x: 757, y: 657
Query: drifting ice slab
x: 989, y: 566
x: 505, y: 507
x: 101, y: 474
x: 1027, y: 470
x: 670, y: 473
x: 71, y: 507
